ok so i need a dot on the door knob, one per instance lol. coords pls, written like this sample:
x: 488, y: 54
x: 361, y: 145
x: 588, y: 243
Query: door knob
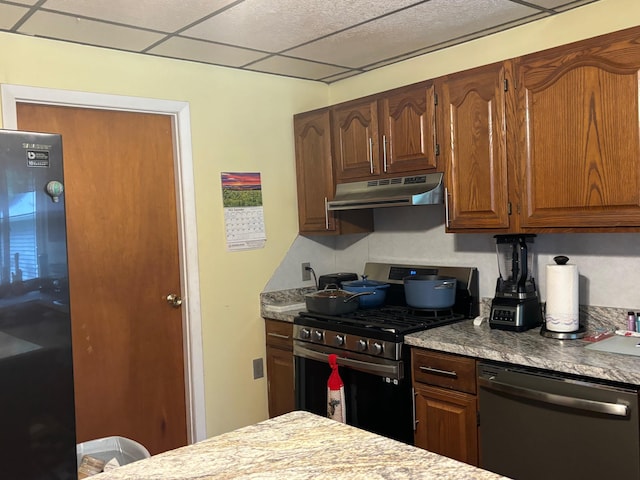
x: 174, y: 300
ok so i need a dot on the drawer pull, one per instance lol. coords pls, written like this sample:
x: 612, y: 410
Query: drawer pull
x: 437, y: 371
x: 278, y: 335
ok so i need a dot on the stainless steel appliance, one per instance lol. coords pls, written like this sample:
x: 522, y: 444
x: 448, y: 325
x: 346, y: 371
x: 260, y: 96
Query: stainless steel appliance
x: 516, y: 305
x: 538, y: 424
x: 37, y: 417
x: 374, y: 362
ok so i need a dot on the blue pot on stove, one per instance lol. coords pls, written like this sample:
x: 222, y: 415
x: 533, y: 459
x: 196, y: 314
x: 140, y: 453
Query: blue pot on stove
x: 378, y: 289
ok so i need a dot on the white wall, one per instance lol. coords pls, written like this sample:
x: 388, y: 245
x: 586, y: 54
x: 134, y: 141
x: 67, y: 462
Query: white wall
x: 609, y: 264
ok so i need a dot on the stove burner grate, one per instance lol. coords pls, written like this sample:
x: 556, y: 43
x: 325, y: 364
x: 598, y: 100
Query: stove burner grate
x: 392, y: 319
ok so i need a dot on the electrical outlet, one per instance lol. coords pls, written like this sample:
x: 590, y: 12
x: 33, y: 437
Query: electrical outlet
x: 306, y: 274
x: 258, y: 368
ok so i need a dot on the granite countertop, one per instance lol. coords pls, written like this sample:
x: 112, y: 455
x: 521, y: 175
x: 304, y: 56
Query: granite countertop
x: 530, y: 349
x: 520, y: 348
x: 297, y: 445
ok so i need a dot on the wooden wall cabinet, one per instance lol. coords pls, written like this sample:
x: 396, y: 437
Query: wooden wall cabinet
x: 315, y: 179
x: 473, y: 144
x: 545, y: 142
x: 579, y: 138
x: 385, y: 135
x: 280, y: 367
x: 446, y: 408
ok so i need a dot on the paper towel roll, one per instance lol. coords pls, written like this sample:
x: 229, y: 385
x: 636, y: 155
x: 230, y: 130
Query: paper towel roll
x: 562, y: 311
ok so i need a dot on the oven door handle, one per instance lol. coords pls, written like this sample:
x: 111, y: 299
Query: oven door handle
x: 381, y: 370
x: 615, y: 409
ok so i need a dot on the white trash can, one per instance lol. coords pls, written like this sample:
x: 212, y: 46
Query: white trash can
x: 123, y: 450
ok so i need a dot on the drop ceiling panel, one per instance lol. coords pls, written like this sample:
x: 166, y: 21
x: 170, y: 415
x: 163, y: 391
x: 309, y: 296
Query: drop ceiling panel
x: 89, y: 32
x: 431, y: 23
x: 296, y: 68
x: 323, y: 40
x: 10, y: 14
x: 206, y: 52
x: 163, y: 15
x: 276, y: 25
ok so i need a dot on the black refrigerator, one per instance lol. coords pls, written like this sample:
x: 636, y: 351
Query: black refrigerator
x: 37, y: 418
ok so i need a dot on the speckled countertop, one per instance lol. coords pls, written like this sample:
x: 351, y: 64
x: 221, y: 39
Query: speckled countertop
x: 297, y: 445
x: 520, y: 348
x: 530, y: 349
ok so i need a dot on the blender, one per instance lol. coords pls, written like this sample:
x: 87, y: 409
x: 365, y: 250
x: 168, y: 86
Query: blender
x: 516, y: 305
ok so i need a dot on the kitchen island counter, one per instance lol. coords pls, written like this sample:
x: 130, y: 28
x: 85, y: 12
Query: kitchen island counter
x: 297, y: 445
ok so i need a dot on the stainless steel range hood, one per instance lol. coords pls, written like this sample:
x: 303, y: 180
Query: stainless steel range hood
x: 389, y: 192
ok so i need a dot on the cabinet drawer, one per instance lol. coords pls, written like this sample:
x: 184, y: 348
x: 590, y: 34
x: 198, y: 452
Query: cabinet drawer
x: 279, y: 334
x: 444, y: 370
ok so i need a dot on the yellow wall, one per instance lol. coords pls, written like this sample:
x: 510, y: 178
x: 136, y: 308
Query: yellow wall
x: 241, y: 121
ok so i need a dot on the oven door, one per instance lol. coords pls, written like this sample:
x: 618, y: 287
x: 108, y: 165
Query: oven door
x: 378, y: 395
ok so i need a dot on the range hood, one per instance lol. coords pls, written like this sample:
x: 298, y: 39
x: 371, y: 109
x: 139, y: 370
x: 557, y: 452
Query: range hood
x: 389, y: 192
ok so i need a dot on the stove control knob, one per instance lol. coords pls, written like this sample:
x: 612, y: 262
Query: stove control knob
x: 376, y: 348
x: 362, y: 345
x: 339, y: 340
x: 318, y: 335
x: 305, y: 333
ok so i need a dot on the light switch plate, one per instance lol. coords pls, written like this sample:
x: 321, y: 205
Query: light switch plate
x: 258, y: 368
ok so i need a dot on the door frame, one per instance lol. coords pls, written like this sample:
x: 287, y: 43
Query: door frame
x: 186, y: 210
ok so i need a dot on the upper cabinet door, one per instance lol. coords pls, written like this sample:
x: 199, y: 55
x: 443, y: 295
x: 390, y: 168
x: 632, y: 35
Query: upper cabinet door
x: 407, y: 117
x: 355, y: 140
x: 314, y: 171
x: 579, y: 145
x: 474, y: 148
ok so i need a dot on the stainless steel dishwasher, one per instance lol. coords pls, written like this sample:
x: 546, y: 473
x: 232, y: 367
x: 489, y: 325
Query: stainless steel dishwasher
x: 536, y: 424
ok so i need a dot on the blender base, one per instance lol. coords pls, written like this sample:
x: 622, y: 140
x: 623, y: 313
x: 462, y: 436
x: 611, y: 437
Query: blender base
x: 515, y: 314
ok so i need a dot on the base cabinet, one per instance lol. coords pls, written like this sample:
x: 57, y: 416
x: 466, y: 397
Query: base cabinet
x: 445, y: 405
x: 280, y: 371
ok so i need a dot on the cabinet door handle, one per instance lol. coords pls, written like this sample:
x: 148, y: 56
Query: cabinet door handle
x: 371, y: 155
x: 437, y: 371
x: 278, y: 335
x: 384, y: 153
x: 326, y: 214
x: 446, y: 207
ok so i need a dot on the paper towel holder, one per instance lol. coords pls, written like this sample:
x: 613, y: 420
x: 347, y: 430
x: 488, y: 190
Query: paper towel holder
x: 576, y: 334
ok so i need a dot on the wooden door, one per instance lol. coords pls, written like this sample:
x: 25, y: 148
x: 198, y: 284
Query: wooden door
x: 123, y: 262
x: 474, y: 148
x: 408, y: 126
x: 314, y: 171
x: 579, y: 141
x: 355, y: 140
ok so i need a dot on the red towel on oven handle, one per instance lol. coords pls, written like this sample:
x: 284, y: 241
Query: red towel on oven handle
x: 336, y: 409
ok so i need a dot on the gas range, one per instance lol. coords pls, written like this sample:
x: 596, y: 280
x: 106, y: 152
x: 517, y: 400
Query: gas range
x: 380, y: 332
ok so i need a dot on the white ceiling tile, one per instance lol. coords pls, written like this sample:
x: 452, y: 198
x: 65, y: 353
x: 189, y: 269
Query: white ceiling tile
x: 163, y: 15
x: 25, y: 2
x: 429, y: 23
x: 10, y: 14
x: 200, y: 51
x: 64, y: 27
x: 276, y: 25
x: 295, y: 68
x: 559, y: 4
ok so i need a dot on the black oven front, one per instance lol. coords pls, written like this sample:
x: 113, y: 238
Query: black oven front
x: 378, y: 394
